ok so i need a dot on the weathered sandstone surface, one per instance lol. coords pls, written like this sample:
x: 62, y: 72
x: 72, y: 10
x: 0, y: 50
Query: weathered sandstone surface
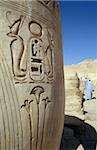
x: 74, y: 86
x: 80, y: 127
x: 31, y: 75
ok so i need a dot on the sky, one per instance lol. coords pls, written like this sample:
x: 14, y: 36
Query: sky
x: 79, y: 30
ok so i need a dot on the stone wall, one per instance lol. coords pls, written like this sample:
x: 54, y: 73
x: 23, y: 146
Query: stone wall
x: 73, y: 95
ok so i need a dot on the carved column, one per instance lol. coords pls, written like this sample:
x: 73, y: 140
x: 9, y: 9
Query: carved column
x: 31, y: 75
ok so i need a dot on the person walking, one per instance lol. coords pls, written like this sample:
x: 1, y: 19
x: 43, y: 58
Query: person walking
x: 88, y: 89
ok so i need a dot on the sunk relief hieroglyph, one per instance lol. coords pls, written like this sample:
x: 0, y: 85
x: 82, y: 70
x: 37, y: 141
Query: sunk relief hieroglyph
x: 39, y: 63
x: 17, y: 47
x: 31, y: 79
x: 38, y: 100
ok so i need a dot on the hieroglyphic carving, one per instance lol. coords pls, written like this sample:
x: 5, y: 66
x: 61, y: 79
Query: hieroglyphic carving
x: 36, y: 52
x: 29, y: 95
x: 42, y: 59
x: 36, y: 100
x: 35, y: 28
x: 41, y: 51
x: 17, y: 47
x: 49, y: 57
x: 36, y: 63
x: 10, y: 117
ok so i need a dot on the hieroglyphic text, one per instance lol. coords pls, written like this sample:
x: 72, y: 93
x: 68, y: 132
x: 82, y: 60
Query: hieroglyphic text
x: 36, y: 105
x: 17, y: 47
x: 38, y: 66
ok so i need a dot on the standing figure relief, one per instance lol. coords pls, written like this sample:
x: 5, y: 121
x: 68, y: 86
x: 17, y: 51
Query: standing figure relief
x: 17, y: 48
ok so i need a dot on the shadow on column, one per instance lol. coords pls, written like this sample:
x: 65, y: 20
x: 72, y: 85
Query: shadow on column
x: 77, y: 132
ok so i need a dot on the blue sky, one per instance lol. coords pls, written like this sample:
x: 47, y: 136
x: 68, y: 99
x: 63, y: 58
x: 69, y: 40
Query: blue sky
x: 79, y: 30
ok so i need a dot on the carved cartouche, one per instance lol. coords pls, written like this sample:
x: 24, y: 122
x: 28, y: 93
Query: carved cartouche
x: 31, y: 75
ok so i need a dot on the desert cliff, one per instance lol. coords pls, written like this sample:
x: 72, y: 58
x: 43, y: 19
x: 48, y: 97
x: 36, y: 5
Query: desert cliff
x: 80, y: 126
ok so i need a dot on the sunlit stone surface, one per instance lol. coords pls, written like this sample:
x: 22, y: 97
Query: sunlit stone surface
x: 31, y: 75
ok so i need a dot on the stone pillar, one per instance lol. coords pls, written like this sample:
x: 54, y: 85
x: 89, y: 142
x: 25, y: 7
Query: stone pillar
x: 31, y: 75
x: 73, y: 96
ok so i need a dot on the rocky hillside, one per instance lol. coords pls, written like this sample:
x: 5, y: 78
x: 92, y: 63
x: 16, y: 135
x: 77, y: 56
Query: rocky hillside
x: 74, y: 85
x: 87, y: 68
x: 80, y: 126
x: 74, y: 74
